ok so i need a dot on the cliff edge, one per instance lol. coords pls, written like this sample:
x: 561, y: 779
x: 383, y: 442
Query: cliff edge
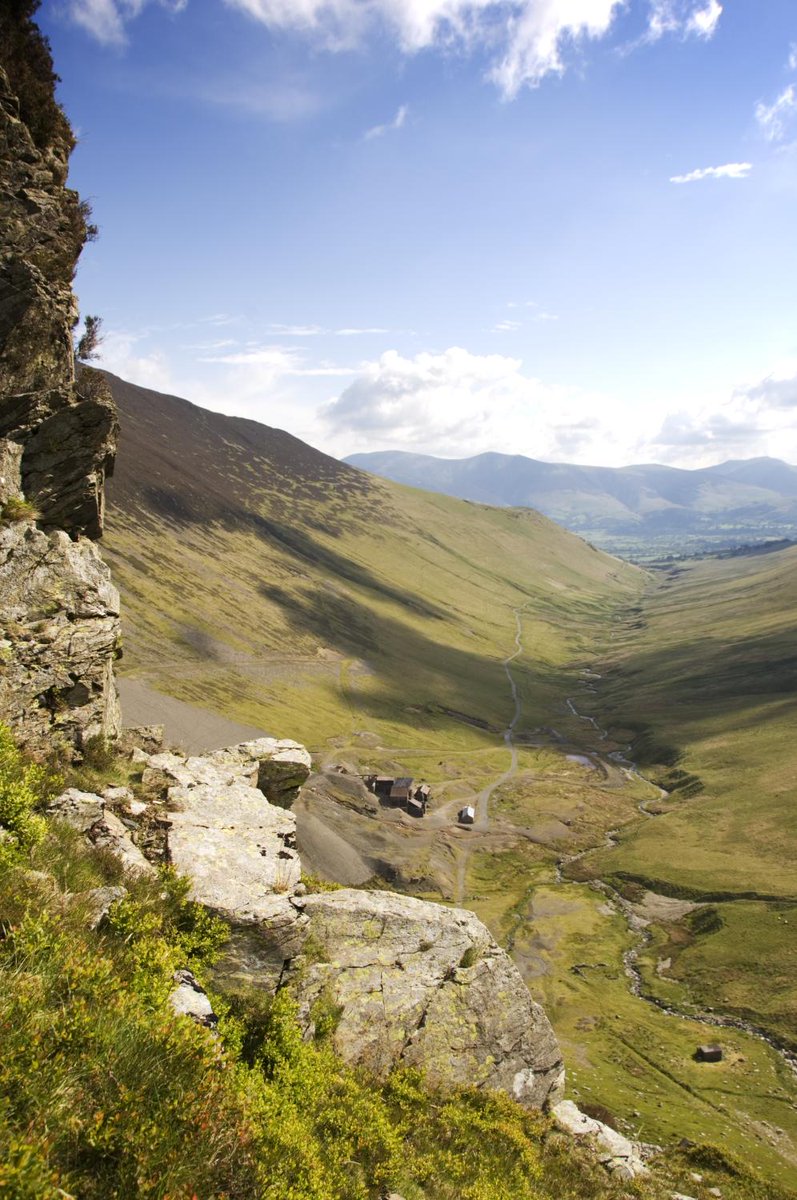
x: 59, y: 612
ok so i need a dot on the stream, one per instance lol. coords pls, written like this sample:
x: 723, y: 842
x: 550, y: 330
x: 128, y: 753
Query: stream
x: 631, y: 957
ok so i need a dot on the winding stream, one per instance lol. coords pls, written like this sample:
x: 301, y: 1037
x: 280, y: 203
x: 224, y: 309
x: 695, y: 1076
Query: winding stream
x: 631, y: 957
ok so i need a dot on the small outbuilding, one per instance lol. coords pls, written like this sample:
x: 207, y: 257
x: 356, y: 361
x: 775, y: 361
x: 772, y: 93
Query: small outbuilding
x: 467, y: 815
x: 415, y: 807
x: 711, y: 1053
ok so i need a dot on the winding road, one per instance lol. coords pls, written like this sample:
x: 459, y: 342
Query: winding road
x: 482, y: 805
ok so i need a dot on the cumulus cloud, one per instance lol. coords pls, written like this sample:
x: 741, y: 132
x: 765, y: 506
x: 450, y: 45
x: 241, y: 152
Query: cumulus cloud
x: 398, y: 122
x: 773, y: 119
x: 526, y: 39
x: 456, y: 402
x: 728, y: 171
x: 714, y: 429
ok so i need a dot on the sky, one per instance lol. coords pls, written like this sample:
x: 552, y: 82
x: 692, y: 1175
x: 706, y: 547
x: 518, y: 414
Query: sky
x: 559, y: 228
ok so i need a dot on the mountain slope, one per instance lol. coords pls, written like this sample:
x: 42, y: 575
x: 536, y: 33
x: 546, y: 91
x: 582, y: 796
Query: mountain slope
x: 293, y: 592
x: 619, y: 508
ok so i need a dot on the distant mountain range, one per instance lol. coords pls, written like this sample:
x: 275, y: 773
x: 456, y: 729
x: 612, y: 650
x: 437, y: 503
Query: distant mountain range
x: 637, y: 510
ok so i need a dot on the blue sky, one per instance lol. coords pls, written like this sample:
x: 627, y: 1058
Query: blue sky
x: 563, y: 228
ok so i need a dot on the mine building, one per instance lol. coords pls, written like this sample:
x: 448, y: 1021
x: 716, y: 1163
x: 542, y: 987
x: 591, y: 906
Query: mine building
x: 466, y: 815
x: 401, y: 791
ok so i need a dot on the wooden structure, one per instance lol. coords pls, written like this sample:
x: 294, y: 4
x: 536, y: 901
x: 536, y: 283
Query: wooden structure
x: 711, y: 1053
x: 401, y: 791
x: 467, y: 815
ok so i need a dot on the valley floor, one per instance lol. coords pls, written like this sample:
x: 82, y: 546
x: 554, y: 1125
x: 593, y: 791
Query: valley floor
x: 556, y: 802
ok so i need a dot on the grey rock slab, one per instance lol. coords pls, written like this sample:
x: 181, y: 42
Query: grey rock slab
x: 236, y: 848
x: 189, y: 999
x: 618, y: 1153
x: 98, y: 903
x: 86, y: 812
x: 79, y: 809
x: 427, y: 986
x: 114, y: 836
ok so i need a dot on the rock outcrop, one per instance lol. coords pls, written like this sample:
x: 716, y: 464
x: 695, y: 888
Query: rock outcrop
x: 59, y: 613
x: 402, y: 980
x: 423, y: 985
x: 618, y: 1154
x: 89, y: 815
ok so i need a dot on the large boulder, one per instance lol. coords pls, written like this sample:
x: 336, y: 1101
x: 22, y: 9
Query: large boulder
x: 423, y: 985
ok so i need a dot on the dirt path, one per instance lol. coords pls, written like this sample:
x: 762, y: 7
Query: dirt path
x: 482, y: 805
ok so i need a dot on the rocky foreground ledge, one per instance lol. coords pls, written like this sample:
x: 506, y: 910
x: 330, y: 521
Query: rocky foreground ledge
x: 405, y: 981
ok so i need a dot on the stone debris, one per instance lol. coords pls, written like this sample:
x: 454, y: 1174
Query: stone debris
x: 88, y: 814
x: 618, y: 1154
x: 189, y: 999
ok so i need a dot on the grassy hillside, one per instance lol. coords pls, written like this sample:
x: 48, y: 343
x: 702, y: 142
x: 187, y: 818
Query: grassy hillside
x: 269, y: 582
x: 703, y: 676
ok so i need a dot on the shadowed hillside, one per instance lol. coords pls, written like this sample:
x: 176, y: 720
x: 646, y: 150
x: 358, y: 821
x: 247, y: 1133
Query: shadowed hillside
x: 269, y: 582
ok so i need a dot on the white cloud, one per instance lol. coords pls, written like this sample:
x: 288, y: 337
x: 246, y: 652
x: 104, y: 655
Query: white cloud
x: 297, y: 330
x: 792, y: 60
x: 304, y: 331
x: 458, y: 403
x: 398, y: 122
x: 275, y: 362
x: 103, y: 19
x: 507, y: 326
x: 525, y: 39
x: 120, y: 353
x: 704, y: 21
x: 369, y: 330
x: 776, y: 392
x: 773, y: 119
x: 728, y: 171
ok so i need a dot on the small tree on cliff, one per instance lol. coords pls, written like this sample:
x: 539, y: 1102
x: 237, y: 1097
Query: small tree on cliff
x: 90, y: 340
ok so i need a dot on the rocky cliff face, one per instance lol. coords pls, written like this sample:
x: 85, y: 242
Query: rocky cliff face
x: 59, y: 613
x: 400, y: 980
